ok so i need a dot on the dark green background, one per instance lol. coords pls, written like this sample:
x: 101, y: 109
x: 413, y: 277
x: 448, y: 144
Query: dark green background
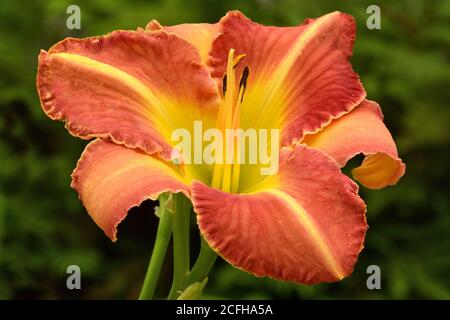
x: 43, y: 227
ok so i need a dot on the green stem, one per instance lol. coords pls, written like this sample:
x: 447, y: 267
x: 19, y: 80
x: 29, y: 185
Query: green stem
x: 159, y: 250
x: 203, y: 265
x: 180, y: 227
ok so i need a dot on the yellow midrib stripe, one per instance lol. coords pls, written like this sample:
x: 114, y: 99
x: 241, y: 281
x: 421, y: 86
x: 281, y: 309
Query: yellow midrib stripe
x: 282, y: 70
x: 297, y: 48
x: 128, y: 80
x: 149, y: 162
x: 309, y: 225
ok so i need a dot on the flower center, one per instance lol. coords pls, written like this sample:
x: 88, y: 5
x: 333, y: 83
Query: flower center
x: 226, y: 175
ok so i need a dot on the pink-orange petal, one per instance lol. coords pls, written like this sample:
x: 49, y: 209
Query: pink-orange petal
x: 111, y: 179
x: 300, y: 77
x: 201, y: 35
x: 362, y: 131
x: 129, y: 86
x: 309, y: 228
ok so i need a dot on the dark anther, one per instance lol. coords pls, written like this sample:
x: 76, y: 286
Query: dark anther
x: 243, y: 82
x: 224, y: 85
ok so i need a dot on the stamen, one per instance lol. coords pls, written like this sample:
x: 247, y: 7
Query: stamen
x: 235, y: 64
x: 226, y: 176
x: 243, y: 82
x: 236, y: 124
x: 224, y: 85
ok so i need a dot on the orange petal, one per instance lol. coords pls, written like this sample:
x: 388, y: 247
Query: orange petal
x: 111, y: 179
x: 306, y: 225
x: 201, y: 35
x: 362, y: 131
x: 132, y: 87
x: 300, y: 77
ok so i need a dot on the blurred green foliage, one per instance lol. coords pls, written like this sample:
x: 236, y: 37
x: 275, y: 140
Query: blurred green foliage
x: 43, y: 227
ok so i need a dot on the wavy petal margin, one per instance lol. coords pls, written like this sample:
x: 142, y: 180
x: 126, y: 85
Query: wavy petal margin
x: 307, y: 224
x: 131, y: 87
x: 300, y: 77
x: 111, y: 179
x: 362, y: 131
x: 201, y: 35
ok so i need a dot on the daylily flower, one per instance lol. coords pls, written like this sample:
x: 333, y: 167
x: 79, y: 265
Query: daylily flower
x: 130, y: 89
